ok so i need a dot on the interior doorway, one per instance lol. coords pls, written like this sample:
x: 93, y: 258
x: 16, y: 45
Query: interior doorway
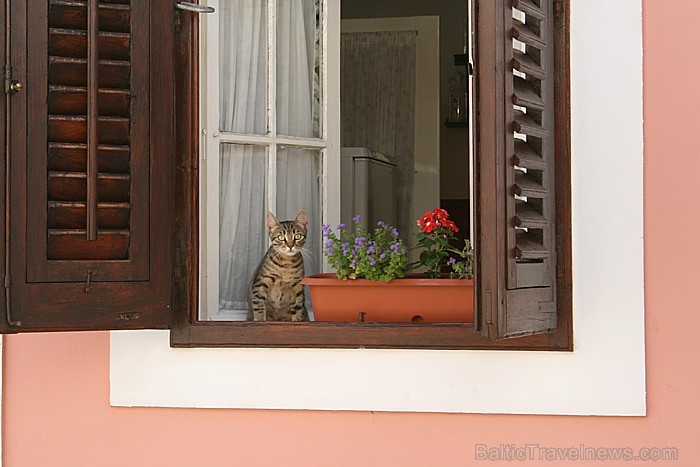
x: 386, y: 61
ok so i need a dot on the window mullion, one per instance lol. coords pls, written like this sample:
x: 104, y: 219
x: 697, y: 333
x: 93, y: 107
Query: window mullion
x: 330, y: 187
x: 212, y: 165
x: 265, y: 140
x: 272, y: 106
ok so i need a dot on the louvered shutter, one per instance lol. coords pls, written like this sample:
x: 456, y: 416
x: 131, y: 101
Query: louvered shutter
x: 90, y: 165
x: 515, y: 146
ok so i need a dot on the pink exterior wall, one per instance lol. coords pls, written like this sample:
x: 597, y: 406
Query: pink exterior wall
x: 56, y: 387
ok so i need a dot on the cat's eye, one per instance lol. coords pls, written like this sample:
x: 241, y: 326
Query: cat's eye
x: 281, y: 238
x: 298, y: 236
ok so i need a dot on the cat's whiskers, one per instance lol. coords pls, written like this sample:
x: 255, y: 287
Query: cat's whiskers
x: 306, y: 254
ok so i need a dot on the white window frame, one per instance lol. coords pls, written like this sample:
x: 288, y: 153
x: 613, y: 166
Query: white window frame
x: 604, y: 375
x: 211, y: 138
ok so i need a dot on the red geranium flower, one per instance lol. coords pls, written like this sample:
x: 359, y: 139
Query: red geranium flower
x: 427, y: 223
x: 450, y: 225
x: 430, y: 225
x: 440, y: 214
x: 437, y: 234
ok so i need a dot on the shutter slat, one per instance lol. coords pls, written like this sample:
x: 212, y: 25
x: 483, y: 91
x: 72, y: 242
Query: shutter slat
x: 72, y: 245
x: 527, y: 186
x: 524, y: 95
x: 72, y: 100
x: 73, y: 129
x: 72, y: 15
x: 525, y: 64
x: 529, y: 8
x: 73, y: 72
x: 525, y: 156
x: 73, y: 215
x: 71, y: 157
x: 73, y: 43
x: 527, y: 217
x: 524, y: 124
x: 528, y: 247
x: 524, y: 34
x: 73, y: 187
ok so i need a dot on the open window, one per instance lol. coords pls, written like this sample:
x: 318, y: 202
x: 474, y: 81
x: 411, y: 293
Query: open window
x: 106, y: 182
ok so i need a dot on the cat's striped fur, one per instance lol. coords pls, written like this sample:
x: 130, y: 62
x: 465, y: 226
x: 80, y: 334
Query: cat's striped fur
x: 275, y: 293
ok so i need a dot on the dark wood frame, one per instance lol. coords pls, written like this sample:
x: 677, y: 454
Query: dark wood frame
x: 187, y: 331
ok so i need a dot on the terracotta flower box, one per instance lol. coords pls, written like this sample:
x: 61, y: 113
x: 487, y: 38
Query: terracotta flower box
x: 408, y: 299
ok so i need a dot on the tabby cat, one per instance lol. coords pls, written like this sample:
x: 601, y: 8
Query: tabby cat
x: 275, y: 293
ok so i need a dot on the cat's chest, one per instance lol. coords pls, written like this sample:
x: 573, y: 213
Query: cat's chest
x: 281, y: 295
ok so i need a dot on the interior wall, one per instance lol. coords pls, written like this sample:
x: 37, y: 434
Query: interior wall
x: 454, y: 142
x: 56, y: 386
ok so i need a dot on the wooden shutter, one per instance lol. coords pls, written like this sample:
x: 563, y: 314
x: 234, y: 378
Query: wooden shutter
x: 90, y: 165
x: 515, y: 167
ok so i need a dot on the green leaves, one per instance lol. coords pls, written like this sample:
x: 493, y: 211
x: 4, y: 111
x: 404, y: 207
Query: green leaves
x: 439, y: 254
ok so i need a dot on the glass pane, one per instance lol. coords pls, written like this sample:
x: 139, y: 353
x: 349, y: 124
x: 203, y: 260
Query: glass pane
x: 243, y: 238
x: 299, y: 47
x: 299, y: 187
x: 243, y: 52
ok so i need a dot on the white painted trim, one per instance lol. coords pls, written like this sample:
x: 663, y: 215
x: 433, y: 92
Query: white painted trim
x: 209, y: 179
x: 605, y: 375
x: 331, y: 78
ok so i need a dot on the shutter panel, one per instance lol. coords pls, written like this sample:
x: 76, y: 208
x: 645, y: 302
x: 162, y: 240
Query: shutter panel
x: 515, y: 145
x: 90, y: 165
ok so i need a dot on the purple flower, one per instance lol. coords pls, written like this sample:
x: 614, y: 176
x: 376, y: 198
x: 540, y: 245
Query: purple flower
x: 371, y: 250
x: 382, y: 256
x: 340, y: 226
x: 326, y: 230
x: 451, y: 261
x: 345, y: 246
x: 372, y: 261
x: 395, y: 232
x: 395, y: 247
x: 380, y: 224
x: 356, y: 218
x: 360, y: 241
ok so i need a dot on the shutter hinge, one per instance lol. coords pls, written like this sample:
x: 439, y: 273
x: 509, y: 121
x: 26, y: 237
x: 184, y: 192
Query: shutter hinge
x: 560, y: 267
x: 8, y: 309
x: 12, y: 86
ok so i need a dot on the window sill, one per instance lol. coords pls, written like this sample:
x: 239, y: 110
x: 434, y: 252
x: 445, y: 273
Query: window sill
x: 359, y: 335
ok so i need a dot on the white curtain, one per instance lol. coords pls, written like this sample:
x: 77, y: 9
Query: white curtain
x: 377, y: 104
x: 243, y: 57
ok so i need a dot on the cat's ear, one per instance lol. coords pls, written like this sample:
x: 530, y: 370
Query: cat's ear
x: 272, y: 221
x: 302, y: 218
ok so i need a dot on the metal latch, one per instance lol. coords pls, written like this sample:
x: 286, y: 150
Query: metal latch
x: 188, y: 6
x: 14, y: 87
